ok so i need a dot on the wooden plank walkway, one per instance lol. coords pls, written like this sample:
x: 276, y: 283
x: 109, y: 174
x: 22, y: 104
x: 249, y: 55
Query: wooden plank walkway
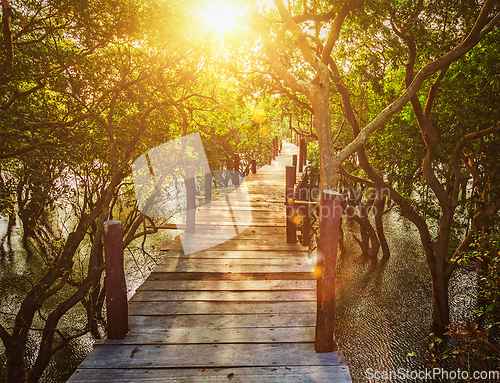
x: 241, y: 311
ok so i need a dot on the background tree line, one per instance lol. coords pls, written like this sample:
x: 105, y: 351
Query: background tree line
x: 404, y: 96
x: 398, y: 95
x: 85, y: 88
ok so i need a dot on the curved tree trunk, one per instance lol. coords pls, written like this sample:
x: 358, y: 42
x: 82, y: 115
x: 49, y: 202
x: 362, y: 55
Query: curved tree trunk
x: 343, y: 250
x: 440, y: 299
x: 368, y: 236
x: 379, y: 206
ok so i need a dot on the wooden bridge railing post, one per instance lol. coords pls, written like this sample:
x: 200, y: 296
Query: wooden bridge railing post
x: 208, y: 182
x: 294, y: 161
x: 274, y: 149
x: 254, y: 166
x: 236, y: 174
x: 326, y: 267
x: 301, y: 155
x: 303, y: 195
x: 270, y: 159
x: 191, y: 200
x: 304, y: 156
x: 291, y: 227
x: 116, y: 289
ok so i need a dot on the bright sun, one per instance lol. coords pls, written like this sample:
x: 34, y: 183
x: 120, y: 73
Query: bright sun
x: 222, y: 17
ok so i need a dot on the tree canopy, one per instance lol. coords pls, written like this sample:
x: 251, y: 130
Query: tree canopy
x: 400, y: 97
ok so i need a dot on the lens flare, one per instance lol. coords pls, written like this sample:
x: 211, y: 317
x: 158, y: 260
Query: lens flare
x: 222, y: 17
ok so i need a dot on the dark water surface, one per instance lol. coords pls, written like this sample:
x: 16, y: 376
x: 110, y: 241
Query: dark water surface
x: 16, y: 272
x: 384, y: 311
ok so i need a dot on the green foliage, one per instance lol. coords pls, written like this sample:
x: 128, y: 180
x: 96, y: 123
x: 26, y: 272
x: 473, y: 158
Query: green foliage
x: 94, y: 85
x: 473, y: 350
x: 313, y: 158
x: 485, y: 251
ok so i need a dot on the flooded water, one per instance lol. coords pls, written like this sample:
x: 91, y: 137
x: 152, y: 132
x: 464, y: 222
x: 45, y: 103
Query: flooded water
x: 16, y: 271
x: 383, y: 312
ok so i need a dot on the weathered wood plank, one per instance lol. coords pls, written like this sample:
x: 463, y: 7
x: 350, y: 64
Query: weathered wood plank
x: 255, y: 296
x: 178, y: 276
x: 247, y: 233
x: 184, y: 267
x: 244, y: 245
x: 200, y: 335
x: 242, y: 209
x: 209, y: 355
x: 237, y: 254
x: 151, y: 323
x: 277, y: 374
x: 273, y: 285
x: 194, y: 307
x: 255, y: 208
x: 270, y: 212
x: 282, y: 262
x: 240, y: 243
x: 215, y: 223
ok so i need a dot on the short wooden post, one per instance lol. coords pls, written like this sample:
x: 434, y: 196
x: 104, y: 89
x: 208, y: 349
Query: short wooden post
x: 191, y: 200
x: 305, y: 152
x: 116, y: 289
x: 208, y: 182
x: 281, y: 146
x: 326, y: 268
x: 270, y: 159
x: 306, y: 221
x: 254, y: 166
x: 277, y: 146
x: 291, y: 227
x: 294, y: 160
x: 236, y: 174
x: 274, y: 149
x: 301, y: 155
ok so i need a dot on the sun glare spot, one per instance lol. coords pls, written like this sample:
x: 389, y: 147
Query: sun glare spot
x: 222, y: 17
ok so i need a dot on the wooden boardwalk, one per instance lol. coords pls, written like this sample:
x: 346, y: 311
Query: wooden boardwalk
x: 242, y: 311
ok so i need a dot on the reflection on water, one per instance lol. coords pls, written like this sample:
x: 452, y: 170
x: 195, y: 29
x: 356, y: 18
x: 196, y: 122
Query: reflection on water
x: 385, y: 311
x: 16, y: 270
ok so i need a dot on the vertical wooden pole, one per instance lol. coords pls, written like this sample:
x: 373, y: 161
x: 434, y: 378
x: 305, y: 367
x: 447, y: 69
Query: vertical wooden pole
x: 294, y: 160
x: 281, y: 146
x: 301, y: 155
x: 270, y: 159
x: 254, y: 166
x: 291, y: 227
x: 326, y: 268
x: 236, y: 174
x: 191, y: 200
x: 116, y: 289
x: 304, y: 196
x: 305, y: 152
x: 208, y: 182
x: 274, y: 149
